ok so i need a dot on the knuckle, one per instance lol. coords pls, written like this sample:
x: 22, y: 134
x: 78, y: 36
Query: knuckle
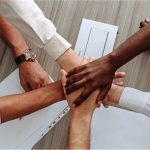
x: 42, y: 79
x: 90, y: 77
x: 83, y: 97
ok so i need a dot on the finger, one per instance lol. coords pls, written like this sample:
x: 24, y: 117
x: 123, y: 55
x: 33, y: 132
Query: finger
x: 74, y: 87
x: 34, y: 86
x: 26, y: 87
x: 142, y: 24
x: 119, y: 83
x: 46, y: 82
x: 147, y: 20
x: 84, y: 95
x: 63, y: 77
x: 119, y: 75
x: 98, y: 102
x: 75, y: 71
x: 105, y: 102
x: 75, y: 78
x: 104, y: 92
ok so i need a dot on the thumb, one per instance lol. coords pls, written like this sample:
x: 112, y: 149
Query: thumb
x: 63, y: 77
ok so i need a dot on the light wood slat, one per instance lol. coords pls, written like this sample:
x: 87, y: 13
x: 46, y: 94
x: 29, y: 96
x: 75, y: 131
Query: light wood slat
x: 67, y: 16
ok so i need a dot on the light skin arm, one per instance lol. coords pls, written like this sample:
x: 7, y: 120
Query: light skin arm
x: 100, y: 73
x: 80, y: 123
x: 115, y: 93
x: 27, y: 70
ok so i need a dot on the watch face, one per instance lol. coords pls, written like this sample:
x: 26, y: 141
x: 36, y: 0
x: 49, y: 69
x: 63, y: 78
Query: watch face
x: 30, y: 55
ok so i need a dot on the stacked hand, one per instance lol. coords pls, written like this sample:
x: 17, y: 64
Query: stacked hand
x: 97, y: 74
x: 86, y: 108
x: 32, y: 76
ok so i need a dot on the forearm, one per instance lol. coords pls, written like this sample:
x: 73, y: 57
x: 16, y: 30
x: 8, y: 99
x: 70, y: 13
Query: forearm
x: 135, y: 100
x: 12, y: 37
x: 133, y: 46
x: 131, y: 99
x: 35, y: 26
x: 79, y: 132
x: 115, y: 93
x: 15, y: 106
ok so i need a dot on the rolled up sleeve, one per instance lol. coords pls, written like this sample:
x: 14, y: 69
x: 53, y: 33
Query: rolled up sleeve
x: 135, y: 100
x: 30, y: 20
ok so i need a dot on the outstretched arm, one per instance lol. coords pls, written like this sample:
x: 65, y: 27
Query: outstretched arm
x: 130, y: 98
x: 30, y: 20
x: 32, y: 75
x: 80, y: 123
x: 100, y: 73
x: 15, y: 106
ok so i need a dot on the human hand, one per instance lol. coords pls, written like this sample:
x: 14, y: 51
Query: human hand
x: 144, y: 23
x: 114, y: 94
x: 94, y: 75
x: 32, y: 76
x: 86, y: 108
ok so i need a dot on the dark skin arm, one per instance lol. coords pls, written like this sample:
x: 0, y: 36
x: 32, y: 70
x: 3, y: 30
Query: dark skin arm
x: 99, y: 74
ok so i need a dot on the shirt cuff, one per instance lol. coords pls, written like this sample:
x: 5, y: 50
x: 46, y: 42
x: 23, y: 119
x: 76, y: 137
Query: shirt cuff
x: 57, y: 46
x: 134, y: 100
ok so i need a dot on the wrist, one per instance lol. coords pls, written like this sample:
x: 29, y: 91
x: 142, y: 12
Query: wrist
x: 113, y: 60
x: 77, y: 115
x: 57, y: 94
x: 71, y: 57
x: 17, y: 51
x: 115, y: 94
x: 27, y: 56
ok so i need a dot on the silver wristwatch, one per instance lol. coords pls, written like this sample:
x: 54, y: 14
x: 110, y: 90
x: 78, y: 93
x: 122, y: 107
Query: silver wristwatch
x: 28, y: 55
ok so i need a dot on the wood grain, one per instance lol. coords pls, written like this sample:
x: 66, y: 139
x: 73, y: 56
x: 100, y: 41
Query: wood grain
x: 67, y: 16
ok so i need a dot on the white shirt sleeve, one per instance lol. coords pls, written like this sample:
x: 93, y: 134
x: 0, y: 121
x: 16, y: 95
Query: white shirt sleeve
x: 30, y: 20
x: 135, y: 100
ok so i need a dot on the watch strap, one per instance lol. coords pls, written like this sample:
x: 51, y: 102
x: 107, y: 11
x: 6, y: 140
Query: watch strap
x: 20, y: 59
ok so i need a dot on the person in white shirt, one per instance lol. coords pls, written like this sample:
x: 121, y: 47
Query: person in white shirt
x: 130, y: 98
x: 27, y: 17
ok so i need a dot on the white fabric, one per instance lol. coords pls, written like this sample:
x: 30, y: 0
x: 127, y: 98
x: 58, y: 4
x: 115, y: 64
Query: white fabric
x: 29, y: 19
x: 135, y: 100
